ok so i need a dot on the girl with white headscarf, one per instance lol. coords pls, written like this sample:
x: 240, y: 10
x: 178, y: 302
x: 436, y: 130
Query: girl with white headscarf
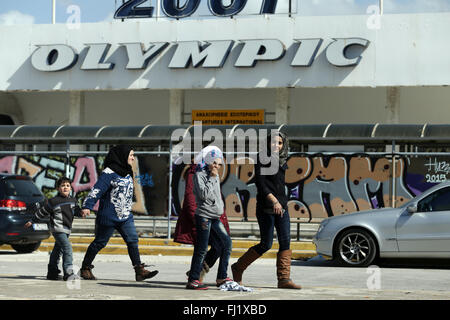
x: 207, y: 217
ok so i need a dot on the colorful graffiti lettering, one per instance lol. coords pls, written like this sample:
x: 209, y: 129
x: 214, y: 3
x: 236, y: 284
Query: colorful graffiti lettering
x: 83, y: 171
x: 324, y: 186
x: 317, y: 186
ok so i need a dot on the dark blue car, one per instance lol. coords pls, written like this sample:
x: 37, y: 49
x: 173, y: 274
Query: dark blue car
x: 19, y: 200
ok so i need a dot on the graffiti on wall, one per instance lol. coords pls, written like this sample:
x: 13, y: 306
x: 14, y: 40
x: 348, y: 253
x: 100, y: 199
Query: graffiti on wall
x: 84, y: 172
x: 324, y: 186
x: 317, y: 186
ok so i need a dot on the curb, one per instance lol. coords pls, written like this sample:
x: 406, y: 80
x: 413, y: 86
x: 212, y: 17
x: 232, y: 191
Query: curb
x: 166, y: 247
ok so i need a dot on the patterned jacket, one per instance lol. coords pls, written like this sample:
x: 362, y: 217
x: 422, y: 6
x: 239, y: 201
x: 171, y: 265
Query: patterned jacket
x: 115, y: 194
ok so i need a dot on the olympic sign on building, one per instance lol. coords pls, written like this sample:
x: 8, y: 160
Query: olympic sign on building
x: 207, y: 54
x: 257, y: 51
x: 210, y: 54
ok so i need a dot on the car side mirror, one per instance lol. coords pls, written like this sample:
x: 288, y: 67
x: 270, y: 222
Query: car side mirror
x: 412, y: 209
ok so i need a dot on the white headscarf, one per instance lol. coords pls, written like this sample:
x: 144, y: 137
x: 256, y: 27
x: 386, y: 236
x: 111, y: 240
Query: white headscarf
x: 207, y: 156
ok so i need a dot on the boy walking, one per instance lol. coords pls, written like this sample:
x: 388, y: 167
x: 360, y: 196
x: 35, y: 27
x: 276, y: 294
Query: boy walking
x: 61, y: 210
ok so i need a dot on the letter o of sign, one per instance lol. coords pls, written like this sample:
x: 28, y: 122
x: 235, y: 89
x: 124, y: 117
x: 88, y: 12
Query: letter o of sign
x: 172, y: 9
x: 53, y: 58
x: 218, y: 9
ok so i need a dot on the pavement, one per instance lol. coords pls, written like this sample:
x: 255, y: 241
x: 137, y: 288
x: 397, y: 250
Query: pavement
x: 22, y: 277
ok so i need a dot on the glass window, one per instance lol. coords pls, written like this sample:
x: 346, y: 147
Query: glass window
x: 437, y: 201
x: 21, y: 188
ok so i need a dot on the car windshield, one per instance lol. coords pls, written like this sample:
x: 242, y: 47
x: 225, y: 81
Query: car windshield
x: 21, y: 188
x: 422, y: 195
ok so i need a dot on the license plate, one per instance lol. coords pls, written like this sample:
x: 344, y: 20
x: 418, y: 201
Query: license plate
x: 40, y: 226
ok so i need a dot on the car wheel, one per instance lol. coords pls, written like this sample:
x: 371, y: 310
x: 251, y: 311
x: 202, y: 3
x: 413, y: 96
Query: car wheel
x: 26, y: 248
x: 355, y: 248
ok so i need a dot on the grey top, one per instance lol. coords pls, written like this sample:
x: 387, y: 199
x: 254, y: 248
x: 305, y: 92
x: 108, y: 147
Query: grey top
x: 61, y: 211
x: 207, y: 195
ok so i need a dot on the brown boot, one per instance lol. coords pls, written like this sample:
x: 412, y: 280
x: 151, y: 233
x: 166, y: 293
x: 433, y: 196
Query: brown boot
x: 243, y: 262
x: 284, y: 270
x: 142, y: 274
x: 86, y: 273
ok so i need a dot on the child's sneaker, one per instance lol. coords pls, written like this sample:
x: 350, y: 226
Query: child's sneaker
x: 71, y: 276
x: 220, y: 282
x: 196, y: 285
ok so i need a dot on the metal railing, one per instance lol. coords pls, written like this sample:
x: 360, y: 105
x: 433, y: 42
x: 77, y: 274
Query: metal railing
x: 70, y: 153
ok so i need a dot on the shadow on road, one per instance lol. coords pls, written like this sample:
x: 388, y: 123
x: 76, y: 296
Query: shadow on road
x: 12, y: 252
x: 153, y: 284
x: 16, y: 277
x: 319, y: 261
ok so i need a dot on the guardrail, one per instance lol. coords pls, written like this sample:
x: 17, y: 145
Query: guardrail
x: 438, y: 171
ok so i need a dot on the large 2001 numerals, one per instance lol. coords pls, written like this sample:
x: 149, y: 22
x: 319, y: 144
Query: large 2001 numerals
x: 172, y: 8
x: 130, y: 10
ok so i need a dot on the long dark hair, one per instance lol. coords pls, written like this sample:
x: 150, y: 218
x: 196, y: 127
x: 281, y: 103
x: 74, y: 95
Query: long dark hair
x: 284, y: 152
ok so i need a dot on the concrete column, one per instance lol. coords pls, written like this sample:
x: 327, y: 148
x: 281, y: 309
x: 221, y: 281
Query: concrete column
x: 76, y: 108
x: 176, y: 106
x: 76, y: 116
x: 281, y: 105
x: 393, y: 105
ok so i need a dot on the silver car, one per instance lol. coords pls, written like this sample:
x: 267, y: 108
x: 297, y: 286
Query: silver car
x: 418, y: 229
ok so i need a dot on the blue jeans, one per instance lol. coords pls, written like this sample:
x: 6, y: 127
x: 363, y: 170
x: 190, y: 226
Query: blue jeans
x: 103, y: 233
x: 222, y: 242
x: 213, y: 253
x: 62, y: 247
x: 267, y: 222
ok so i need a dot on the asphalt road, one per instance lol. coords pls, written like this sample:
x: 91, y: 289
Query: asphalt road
x: 22, y: 276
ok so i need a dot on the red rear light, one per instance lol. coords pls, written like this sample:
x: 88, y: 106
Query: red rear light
x: 11, y: 205
x: 22, y: 178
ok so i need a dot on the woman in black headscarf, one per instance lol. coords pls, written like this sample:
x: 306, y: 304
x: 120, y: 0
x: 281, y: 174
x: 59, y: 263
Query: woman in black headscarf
x: 114, y: 191
x: 271, y: 212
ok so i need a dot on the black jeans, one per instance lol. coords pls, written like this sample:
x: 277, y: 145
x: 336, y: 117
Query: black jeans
x: 267, y: 222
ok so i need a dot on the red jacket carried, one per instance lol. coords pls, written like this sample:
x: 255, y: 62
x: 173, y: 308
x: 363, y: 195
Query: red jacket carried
x: 185, y: 231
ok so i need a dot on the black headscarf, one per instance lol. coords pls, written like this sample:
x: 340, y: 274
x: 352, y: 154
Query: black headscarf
x: 117, y: 160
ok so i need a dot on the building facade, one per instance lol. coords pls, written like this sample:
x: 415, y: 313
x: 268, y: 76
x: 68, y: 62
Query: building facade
x: 372, y: 70
x: 300, y: 70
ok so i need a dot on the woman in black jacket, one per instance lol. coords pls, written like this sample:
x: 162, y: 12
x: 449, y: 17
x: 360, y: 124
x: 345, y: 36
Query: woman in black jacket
x: 271, y: 212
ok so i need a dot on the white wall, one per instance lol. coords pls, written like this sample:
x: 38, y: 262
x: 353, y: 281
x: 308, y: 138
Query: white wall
x: 44, y: 108
x: 425, y: 105
x: 306, y: 105
x: 407, y: 50
x: 337, y: 105
x: 122, y: 108
x: 369, y: 105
